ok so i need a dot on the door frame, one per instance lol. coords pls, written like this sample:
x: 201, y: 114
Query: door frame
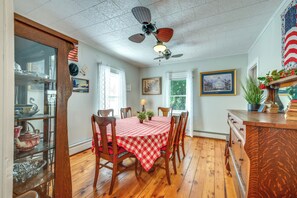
x: 6, y: 96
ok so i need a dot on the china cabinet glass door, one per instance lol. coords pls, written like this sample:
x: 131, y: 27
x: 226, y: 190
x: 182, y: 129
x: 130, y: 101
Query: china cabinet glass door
x: 35, y: 118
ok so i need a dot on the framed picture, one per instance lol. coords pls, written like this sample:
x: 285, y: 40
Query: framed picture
x: 218, y: 83
x: 80, y: 85
x: 152, y: 86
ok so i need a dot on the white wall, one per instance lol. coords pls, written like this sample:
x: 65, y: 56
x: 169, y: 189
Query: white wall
x: 210, y: 112
x: 82, y: 105
x: 267, y: 48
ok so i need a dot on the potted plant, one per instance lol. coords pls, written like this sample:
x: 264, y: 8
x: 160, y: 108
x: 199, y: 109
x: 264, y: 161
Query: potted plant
x: 253, y: 94
x: 150, y: 114
x: 141, y: 116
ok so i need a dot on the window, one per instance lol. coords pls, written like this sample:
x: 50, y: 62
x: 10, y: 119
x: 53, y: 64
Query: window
x: 178, y: 94
x: 112, y: 89
x: 114, y: 92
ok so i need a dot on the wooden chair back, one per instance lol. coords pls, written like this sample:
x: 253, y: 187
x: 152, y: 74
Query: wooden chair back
x: 181, y: 127
x: 102, y: 123
x: 105, y: 112
x: 184, y: 116
x: 165, y: 111
x: 125, y: 111
x: 171, y: 136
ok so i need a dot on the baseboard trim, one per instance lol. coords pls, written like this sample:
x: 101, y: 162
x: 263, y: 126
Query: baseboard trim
x: 80, y: 146
x: 214, y: 135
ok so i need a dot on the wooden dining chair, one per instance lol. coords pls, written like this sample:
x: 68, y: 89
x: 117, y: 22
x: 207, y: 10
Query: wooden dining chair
x: 105, y: 112
x: 109, y: 151
x: 125, y: 111
x: 167, y: 152
x: 165, y: 111
x: 181, y: 133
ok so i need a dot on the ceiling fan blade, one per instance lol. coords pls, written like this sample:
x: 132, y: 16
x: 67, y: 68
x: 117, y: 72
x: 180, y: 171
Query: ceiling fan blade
x: 160, y: 57
x: 142, y: 14
x: 164, y: 34
x: 177, y: 55
x: 137, y: 38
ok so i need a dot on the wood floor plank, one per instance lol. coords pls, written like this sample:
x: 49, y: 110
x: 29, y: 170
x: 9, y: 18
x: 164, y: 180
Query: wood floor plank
x: 200, y: 174
x: 188, y: 181
x: 182, y: 168
x: 219, y: 172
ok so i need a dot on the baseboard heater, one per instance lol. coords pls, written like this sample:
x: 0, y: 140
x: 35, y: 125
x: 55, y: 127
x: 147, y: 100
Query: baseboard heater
x: 80, y: 146
x: 221, y: 136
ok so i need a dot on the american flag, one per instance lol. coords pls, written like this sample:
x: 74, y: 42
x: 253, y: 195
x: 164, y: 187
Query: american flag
x: 73, y: 54
x: 289, y: 29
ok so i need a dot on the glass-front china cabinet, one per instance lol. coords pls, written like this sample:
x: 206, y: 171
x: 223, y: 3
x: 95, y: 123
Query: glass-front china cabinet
x: 42, y: 88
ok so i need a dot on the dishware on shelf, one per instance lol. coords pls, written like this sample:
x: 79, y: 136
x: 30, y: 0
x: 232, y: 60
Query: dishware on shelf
x: 25, y: 110
x: 17, y: 68
x: 23, y: 171
x: 17, y: 131
x: 27, y: 141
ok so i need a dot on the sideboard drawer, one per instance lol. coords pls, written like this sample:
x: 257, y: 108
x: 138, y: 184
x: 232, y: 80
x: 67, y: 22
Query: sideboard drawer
x: 236, y: 146
x: 244, y: 167
x: 238, y: 124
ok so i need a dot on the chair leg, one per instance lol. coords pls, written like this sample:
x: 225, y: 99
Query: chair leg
x: 178, y: 155
x: 96, y: 171
x: 137, y: 173
x: 167, y: 170
x: 183, y: 148
x: 114, y: 175
x: 174, y: 163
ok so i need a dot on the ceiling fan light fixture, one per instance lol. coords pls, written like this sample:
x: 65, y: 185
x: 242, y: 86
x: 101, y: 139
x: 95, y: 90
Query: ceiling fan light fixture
x: 160, y: 47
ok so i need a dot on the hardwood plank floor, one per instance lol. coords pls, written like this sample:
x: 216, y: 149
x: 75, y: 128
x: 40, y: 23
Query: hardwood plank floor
x: 200, y: 174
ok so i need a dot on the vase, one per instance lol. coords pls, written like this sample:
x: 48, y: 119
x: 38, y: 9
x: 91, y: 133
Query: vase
x: 141, y: 121
x: 253, y: 107
x: 150, y: 118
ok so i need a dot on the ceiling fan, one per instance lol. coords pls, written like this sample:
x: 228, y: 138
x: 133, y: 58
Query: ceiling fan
x: 143, y: 16
x: 168, y: 54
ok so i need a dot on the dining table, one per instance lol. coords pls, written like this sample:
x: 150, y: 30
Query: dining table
x: 144, y: 140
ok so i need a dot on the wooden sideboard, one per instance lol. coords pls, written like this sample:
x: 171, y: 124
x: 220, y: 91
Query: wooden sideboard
x: 261, y: 154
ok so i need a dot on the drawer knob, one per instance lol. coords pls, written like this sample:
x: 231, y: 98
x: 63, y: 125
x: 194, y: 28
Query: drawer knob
x: 240, y: 159
x: 241, y: 129
x: 238, y: 140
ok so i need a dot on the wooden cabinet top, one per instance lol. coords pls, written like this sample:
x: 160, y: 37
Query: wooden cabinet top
x: 264, y: 119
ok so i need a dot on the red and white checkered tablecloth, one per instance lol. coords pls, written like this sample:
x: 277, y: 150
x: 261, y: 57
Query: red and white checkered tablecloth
x: 143, y: 140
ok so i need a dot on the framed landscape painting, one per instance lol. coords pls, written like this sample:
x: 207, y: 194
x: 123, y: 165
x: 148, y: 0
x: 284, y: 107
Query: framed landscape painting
x: 218, y: 83
x: 152, y: 86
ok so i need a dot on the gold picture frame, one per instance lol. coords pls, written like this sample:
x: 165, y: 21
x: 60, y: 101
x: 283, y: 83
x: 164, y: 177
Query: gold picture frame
x: 218, y: 83
x: 152, y: 86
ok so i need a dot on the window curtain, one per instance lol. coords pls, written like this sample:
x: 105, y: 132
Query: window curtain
x: 104, y: 87
x: 104, y: 75
x: 123, y: 91
x: 167, y: 78
x: 189, y: 101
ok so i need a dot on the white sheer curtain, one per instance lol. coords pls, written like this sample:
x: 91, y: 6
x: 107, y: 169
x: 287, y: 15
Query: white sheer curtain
x: 189, y: 103
x: 104, y: 75
x: 167, y: 78
x: 189, y: 94
x: 105, y: 91
x: 123, y: 91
